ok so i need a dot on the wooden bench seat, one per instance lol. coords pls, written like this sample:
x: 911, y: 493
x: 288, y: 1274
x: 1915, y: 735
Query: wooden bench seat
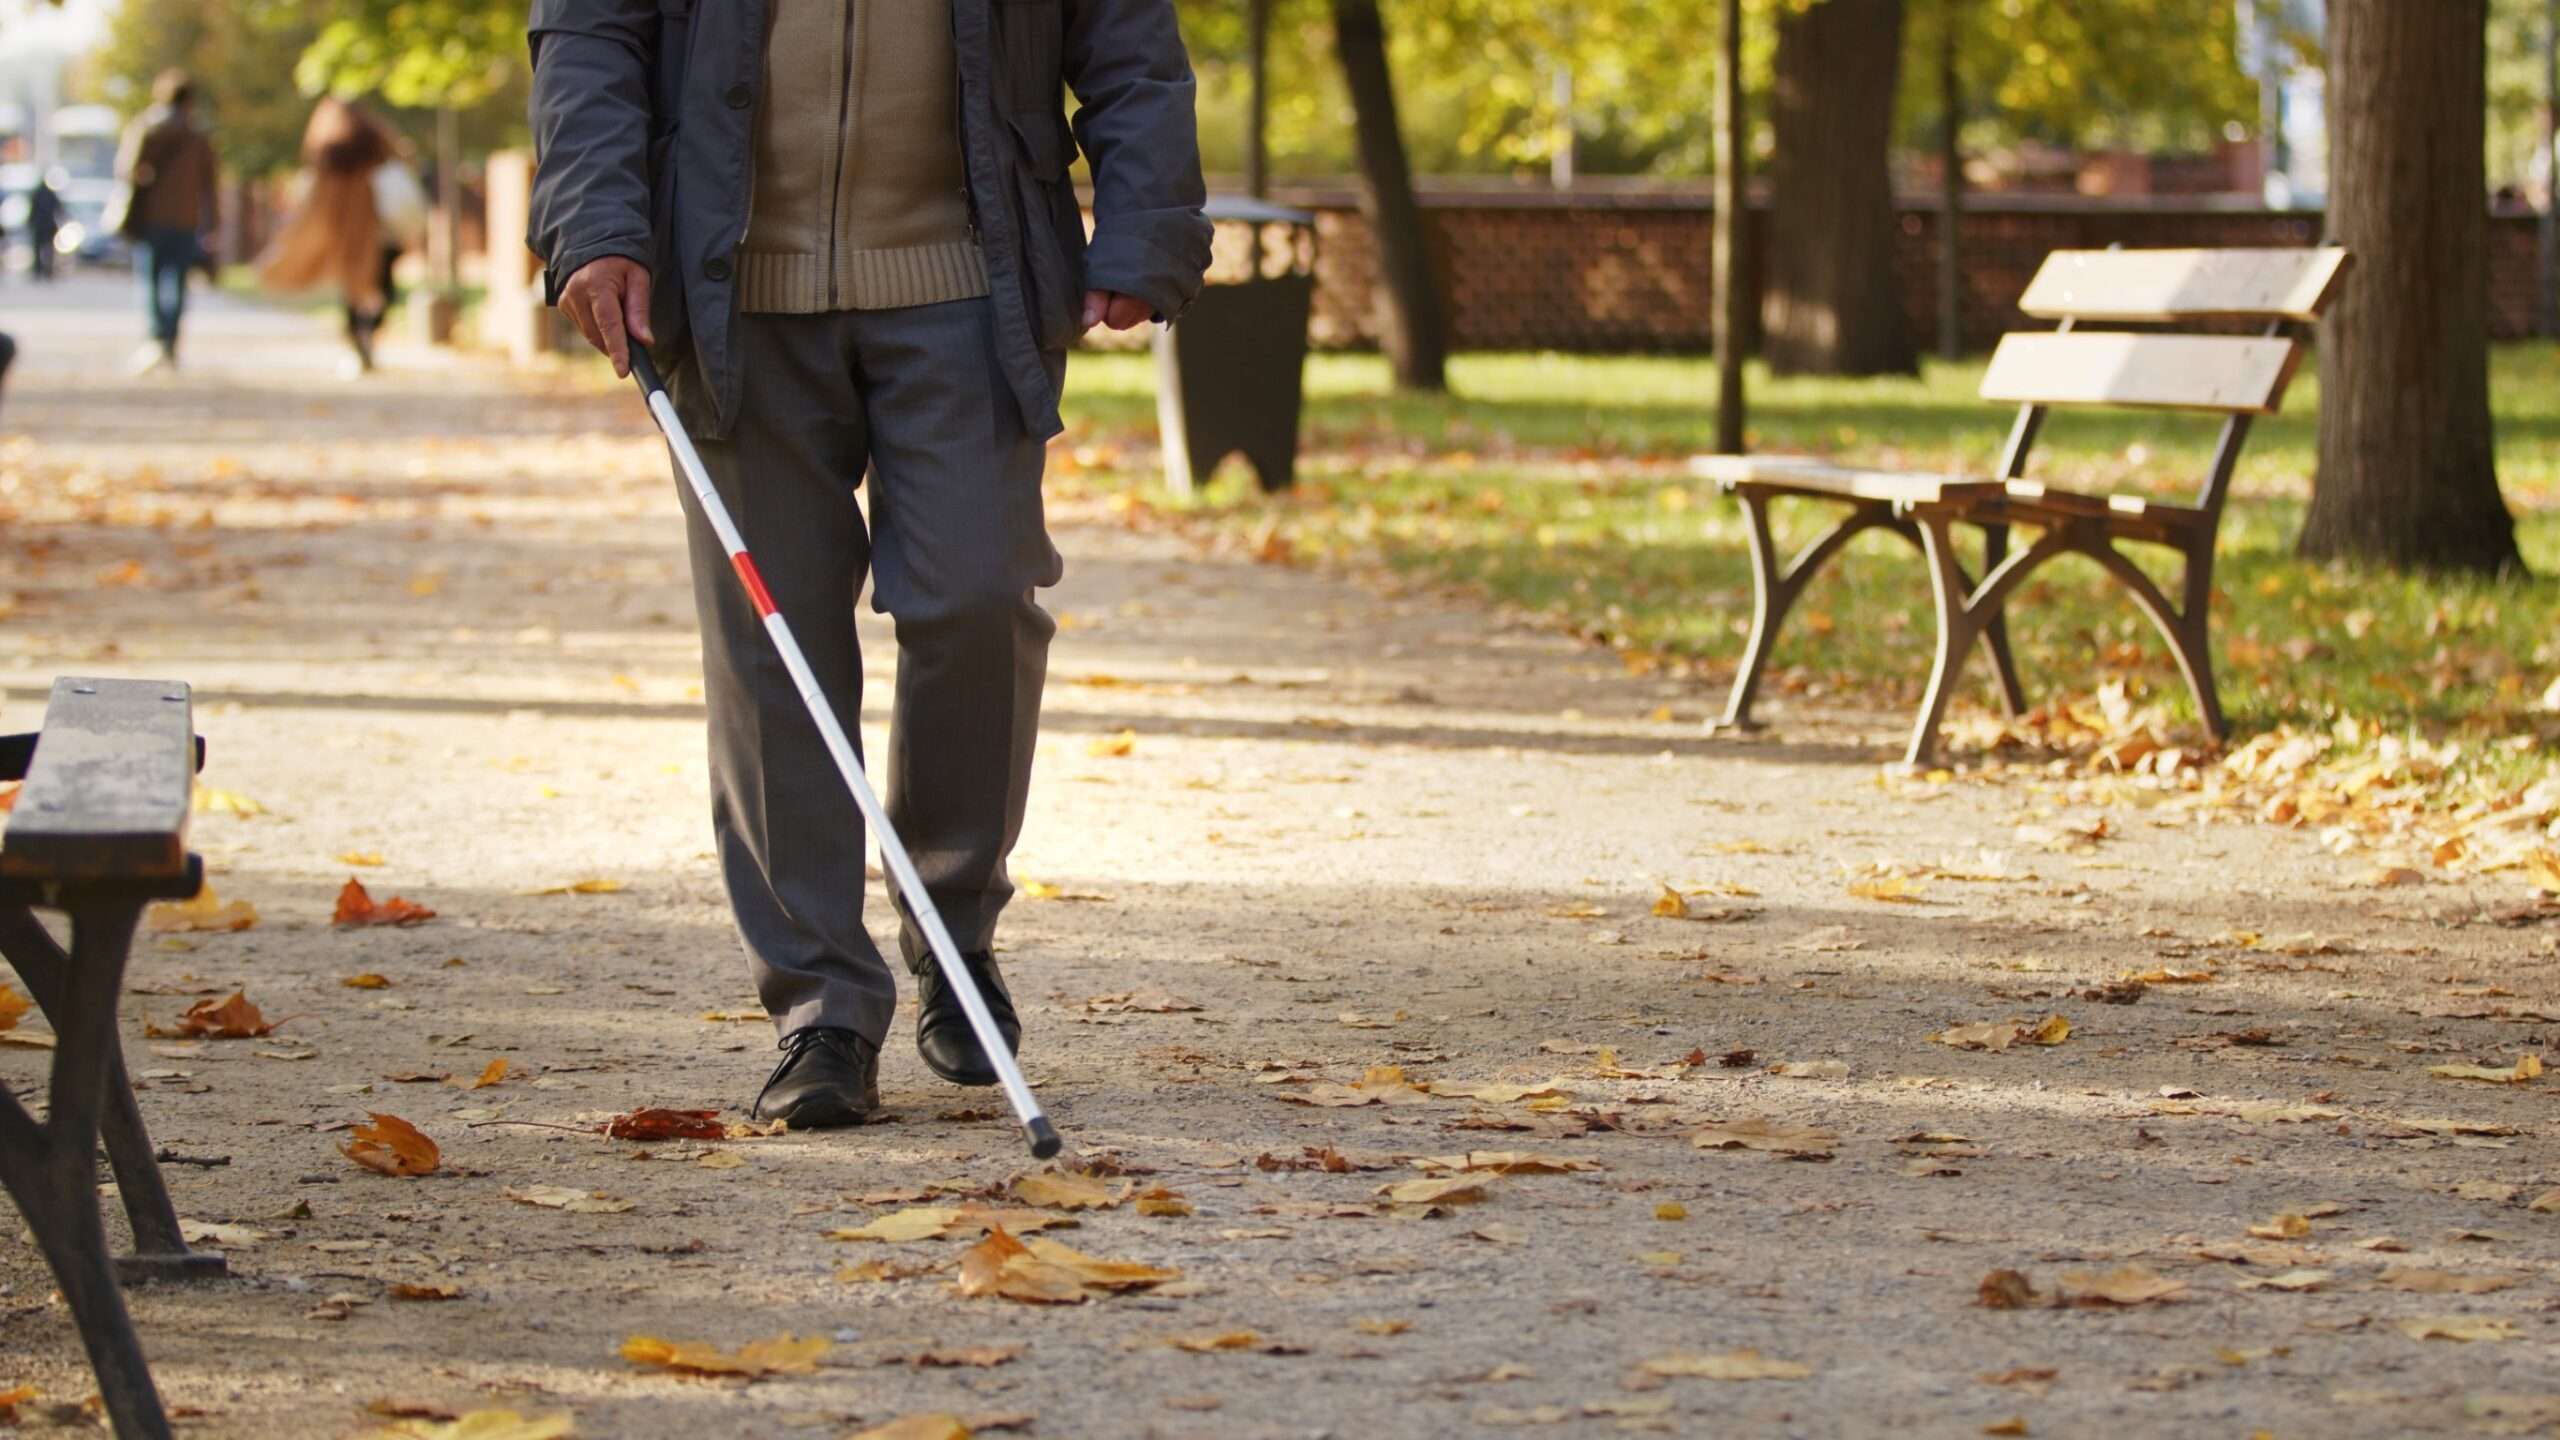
x: 2238, y: 377
x: 98, y: 831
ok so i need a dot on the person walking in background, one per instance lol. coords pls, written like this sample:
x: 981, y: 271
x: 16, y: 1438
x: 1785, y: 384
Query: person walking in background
x: 44, y: 219
x: 359, y: 207
x: 171, y: 172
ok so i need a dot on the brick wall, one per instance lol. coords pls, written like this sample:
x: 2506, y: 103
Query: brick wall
x: 1632, y: 271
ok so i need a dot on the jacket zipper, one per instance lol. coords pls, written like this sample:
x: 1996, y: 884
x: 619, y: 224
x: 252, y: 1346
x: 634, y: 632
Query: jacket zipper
x: 960, y: 127
x: 835, y: 180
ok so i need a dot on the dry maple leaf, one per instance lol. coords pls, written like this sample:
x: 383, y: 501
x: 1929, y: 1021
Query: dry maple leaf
x: 367, y: 981
x: 1054, y: 1191
x: 480, y: 1425
x: 2443, y: 1282
x: 13, y: 1006
x: 1763, y: 1135
x: 1506, y: 1162
x: 13, y: 1397
x: 579, y: 887
x: 232, y: 1019
x: 569, y: 1198
x: 2124, y: 1285
x: 355, y: 907
x: 1381, y: 1085
x: 784, y: 1354
x: 1161, y: 1203
x: 1496, y: 1093
x: 1211, y: 1341
x: 2005, y: 1290
x: 1738, y: 1365
x: 206, y: 912
x: 2527, y: 1067
x: 392, y: 1146
x: 1003, y: 1266
x: 937, y: 1222
x: 1447, y: 1190
x: 666, y: 1125
x: 2464, y: 1328
x: 935, y: 1426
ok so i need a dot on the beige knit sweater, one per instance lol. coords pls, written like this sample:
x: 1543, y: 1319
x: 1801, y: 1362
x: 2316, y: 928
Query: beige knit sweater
x: 859, y: 200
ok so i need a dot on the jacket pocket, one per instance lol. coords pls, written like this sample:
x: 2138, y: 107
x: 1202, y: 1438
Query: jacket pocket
x: 1031, y: 38
x: 1052, y: 229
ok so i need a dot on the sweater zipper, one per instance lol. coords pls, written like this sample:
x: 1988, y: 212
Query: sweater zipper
x: 835, y: 191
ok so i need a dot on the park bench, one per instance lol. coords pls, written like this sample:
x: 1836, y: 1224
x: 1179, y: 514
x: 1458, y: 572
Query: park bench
x: 2237, y: 376
x: 98, y: 832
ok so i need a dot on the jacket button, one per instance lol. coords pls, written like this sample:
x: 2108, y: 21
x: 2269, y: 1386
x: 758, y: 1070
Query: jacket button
x: 741, y: 96
x: 715, y: 269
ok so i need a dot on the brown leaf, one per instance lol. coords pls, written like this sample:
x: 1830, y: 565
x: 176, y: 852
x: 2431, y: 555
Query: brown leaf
x: 206, y: 912
x: 367, y: 981
x: 1448, y: 1190
x: 784, y: 1354
x: 356, y: 907
x: 1381, y: 1085
x: 974, y: 1357
x: 1054, y: 1191
x: 2527, y: 1067
x: 2290, y: 1280
x: 2282, y: 1227
x: 1161, y: 1203
x: 569, y: 1198
x: 666, y: 1125
x: 2442, y: 1282
x: 232, y: 1019
x: 1506, y: 1162
x: 2005, y: 1290
x: 1738, y: 1365
x: 392, y: 1146
x: 13, y: 1006
x: 411, y: 1290
x: 936, y: 1426
x: 2458, y: 1327
x: 1496, y: 1093
x: 938, y: 1222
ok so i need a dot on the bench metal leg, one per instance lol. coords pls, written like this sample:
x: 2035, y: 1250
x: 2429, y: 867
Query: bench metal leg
x: 1995, y: 548
x: 1966, y: 612
x: 160, y: 1250
x: 50, y: 1170
x: 2187, y: 628
x: 1775, y: 588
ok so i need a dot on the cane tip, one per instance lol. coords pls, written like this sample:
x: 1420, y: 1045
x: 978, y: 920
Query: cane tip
x: 1045, y: 1143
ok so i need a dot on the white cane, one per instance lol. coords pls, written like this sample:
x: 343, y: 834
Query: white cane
x: 1035, y: 1123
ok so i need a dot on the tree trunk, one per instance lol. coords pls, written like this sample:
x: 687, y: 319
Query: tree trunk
x: 1950, y: 185
x: 2408, y: 477
x: 1733, y: 161
x: 1413, y: 329
x: 1257, y: 130
x: 1832, y: 304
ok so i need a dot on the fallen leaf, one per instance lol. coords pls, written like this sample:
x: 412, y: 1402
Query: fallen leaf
x: 490, y: 1074
x: 1737, y: 1365
x: 364, y: 858
x: 2282, y: 1227
x: 938, y: 1222
x: 13, y: 1006
x: 935, y: 1426
x: 355, y: 907
x: 392, y: 1146
x: 232, y: 1019
x: 1670, y: 1210
x: 1764, y: 1135
x: 1811, y: 1069
x: 1208, y: 1342
x: 1448, y: 1190
x: 1054, y: 1191
x: 973, y: 1357
x: 1112, y: 747
x: 207, y: 1232
x: 1496, y: 1093
x: 2464, y: 1328
x: 580, y: 887
x: 2014, y: 1425
x: 1671, y: 905
x: 666, y: 1125
x: 2442, y: 1282
x: 1382, y: 1327
x: 416, y: 1290
x: 1160, y: 1203
x: 207, y: 911
x: 1047, y: 1273
x: 784, y: 1354
x: 367, y: 981
x: 1996, y: 1035
x: 569, y: 1198
x: 2527, y: 1067
x: 2290, y: 1280
x: 480, y: 1425
x: 2124, y: 1285
x: 2005, y: 1290
x: 1506, y: 1162
x: 1381, y: 1085
x: 1887, y: 889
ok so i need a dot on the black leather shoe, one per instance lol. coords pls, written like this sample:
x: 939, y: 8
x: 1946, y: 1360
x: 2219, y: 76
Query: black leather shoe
x: 943, y: 1036
x: 826, y: 1078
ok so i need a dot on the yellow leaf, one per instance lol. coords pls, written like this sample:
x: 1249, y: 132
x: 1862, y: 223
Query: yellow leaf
x: 569, y: 1198
x: 1889, y: 889
x: 1493, y: 1093
x: 209, y: 801
x: 1382, y: 1327
x: 491, y: 1074
x: 12, y: 1006
x: 1670, y: 905
x: 580, y: 887
x: 205, y: 912
x: 2283, y: 1227
x: 783, y: 1354
x: 2052, y: 1031
x: 1162, y: 1204
x: 361, y: 857
x: 1055, y: 1191
x: 2527, y: 1067
x: 1763, y: 1135
x: 2464, y: 1328
x: 367, y: 981
x: 2014, y: 1425
x: 1112, y: 747
x: 1381, y: 1085
x: 1670, y: 1210
x: 2124, y: 1285
x: 392, y: 1146
x: 1738, y: 1365
x: 1211, y: 1341
x: 936, y: 1426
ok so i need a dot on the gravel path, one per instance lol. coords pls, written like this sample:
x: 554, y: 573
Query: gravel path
x: 1290, y: 826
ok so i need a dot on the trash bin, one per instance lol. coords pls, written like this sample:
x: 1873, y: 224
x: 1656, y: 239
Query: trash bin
x: 1231, y: 377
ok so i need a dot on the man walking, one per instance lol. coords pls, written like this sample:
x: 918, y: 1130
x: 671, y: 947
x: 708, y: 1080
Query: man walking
x: 173, y: 172
x: 847, y: 229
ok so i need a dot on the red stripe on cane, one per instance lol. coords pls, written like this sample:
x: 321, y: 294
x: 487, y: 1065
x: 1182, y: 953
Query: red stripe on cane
x: 754, y: 582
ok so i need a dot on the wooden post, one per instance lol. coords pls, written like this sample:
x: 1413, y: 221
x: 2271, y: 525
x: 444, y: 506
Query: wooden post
x: 1732, y: 313
x: 1257, y: 128
x: 1951, y: 185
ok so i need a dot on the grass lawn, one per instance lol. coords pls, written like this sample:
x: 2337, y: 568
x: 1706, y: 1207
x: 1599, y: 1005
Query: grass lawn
x: 1557, y: 483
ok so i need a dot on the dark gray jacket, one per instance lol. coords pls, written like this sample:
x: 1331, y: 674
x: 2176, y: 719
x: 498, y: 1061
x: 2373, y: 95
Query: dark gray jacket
x: 644, y: 119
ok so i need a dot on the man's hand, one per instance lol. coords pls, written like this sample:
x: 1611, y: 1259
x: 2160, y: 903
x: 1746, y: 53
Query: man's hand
x: 609, y: 300
x: 1120, y: 312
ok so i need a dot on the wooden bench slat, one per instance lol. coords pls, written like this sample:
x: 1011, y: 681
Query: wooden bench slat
x: 2127, y: 286
x: 2224, y: 373
x: 1807, y: 476
x: 109, y: 792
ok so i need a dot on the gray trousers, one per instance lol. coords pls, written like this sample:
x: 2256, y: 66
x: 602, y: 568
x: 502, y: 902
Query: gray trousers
x: 956, y: 546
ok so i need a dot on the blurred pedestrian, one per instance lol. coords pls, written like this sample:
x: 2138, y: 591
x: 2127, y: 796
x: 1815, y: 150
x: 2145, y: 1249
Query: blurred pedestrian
x: 359, y: 206
x: 170, y: 171
x: 44, y: 218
